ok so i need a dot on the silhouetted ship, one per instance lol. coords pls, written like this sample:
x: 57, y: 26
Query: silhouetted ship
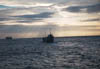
x: 48, y: 39
x: 8, y: 38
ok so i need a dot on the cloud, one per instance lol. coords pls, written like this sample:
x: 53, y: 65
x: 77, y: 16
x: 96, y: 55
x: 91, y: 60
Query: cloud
x: 25, y: 15
x: 91, y: 20
x: 26, y: 29
x: 45, y: 2
x: 3, y: 6
x: 28, y: 16
x: 73, y: 9
x: 33, y: 17
x: 93, y: 8
x: 29, y: 2
x: 3, y: 19
x: 36, y: 16
x: 89, y: 9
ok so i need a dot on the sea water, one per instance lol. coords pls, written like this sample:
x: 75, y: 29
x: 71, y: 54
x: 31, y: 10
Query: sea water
x: 64, y: 53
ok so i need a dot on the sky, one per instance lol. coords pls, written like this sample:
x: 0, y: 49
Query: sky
x: 37, y: 18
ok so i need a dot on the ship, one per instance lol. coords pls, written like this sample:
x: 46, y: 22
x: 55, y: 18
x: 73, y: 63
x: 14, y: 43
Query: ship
x: 48, y: 39
x: 8, y: 38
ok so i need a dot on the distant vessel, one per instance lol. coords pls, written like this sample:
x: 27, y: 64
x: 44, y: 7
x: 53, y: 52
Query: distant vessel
x: 9, y: 38
x: 48, y: 39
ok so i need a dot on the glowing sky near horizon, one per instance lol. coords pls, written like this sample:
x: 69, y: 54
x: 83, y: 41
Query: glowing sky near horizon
x: 32, y: 18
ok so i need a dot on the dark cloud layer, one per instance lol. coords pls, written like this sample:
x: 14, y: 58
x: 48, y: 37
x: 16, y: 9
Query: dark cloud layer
x: 42, y: 28
x: 91, y: 20
x: 89, y: 9
x: 26, y: 29
x: 27, y: 18
x: 3, y: 19
x: 33, y: 17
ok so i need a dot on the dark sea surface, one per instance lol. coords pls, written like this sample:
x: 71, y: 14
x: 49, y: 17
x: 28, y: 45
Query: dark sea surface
x: 64, y: 53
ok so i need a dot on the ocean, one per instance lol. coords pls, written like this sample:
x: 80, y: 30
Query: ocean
x: 64, y: 53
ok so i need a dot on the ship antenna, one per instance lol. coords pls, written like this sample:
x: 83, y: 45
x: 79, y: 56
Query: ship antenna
x: 50, y: 30
x: 45, y: 34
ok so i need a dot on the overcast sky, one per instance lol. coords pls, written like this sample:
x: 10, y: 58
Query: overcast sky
x: 34, y: 18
